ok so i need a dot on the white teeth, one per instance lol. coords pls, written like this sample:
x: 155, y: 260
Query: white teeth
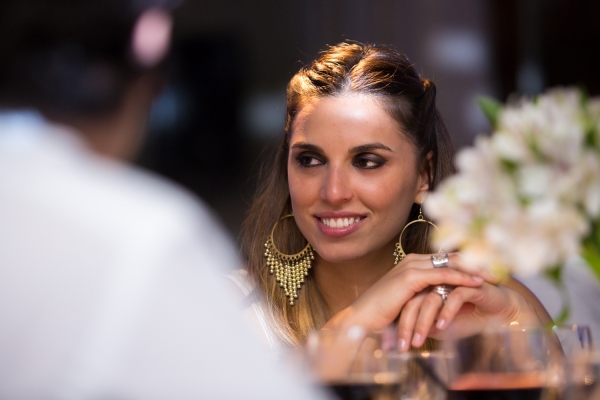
x: 339, y: 222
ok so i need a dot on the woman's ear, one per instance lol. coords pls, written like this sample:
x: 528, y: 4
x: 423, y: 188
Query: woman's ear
x: 425, y: 178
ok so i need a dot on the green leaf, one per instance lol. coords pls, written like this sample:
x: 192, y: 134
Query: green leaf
x: 491, y: 109
x: 564, y: 313
x: 591, y: 254
x: 591, y: 248
x: 555, y: 275
x: 584, y: 95
x: 510, y: 166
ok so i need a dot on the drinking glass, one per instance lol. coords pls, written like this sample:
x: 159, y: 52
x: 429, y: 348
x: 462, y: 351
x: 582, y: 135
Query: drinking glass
x: 424, y: 376
x: 504, y: 364
x: 356, y: 365
x: 583, y: 377
x: 574, y: 339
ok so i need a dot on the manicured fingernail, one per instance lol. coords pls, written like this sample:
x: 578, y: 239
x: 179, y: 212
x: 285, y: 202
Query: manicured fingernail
x: 478, y: 279
x: 441, y: 324
x: 417, y: 340
x: 402, y: 345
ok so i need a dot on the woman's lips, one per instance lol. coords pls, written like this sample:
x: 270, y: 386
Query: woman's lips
x: 339, y: 226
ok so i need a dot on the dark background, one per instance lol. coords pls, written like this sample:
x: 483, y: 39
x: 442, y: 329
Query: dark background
x: 224, y: 108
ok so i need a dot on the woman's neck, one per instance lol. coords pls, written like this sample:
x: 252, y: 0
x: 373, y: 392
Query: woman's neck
x: 342, y: 283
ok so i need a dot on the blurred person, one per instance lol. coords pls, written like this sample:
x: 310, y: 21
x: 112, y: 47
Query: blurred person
x: 364, y: 143
x: 110, y: 279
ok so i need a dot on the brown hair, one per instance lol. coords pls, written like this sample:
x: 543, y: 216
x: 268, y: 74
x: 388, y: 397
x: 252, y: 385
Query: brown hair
x: 377, y: 70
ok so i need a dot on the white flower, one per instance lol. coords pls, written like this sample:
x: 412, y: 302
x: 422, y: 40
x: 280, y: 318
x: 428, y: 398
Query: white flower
x: 523, y: 197
x: 534, y: 180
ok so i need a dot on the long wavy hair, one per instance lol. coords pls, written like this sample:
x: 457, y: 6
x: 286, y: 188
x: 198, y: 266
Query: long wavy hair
x: 377, y: 70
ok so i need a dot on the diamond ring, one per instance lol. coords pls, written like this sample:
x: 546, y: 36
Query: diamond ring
x: 443, y: 291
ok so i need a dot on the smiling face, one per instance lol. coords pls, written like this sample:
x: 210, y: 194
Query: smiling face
x: 353, y: 178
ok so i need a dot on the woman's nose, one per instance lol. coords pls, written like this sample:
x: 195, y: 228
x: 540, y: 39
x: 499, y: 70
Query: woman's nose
x: 336, y: 187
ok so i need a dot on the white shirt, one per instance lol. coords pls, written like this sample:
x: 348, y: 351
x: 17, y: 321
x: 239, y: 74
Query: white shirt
x: 111, y: 282
x: 257, y: 313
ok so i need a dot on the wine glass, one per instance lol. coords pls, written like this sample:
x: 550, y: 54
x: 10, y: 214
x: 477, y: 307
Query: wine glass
x: 583, y: 376
x: 425, y: 376
x: 574, y: 339
x: 357, y: 365
x: 353, y: 364
x: 510, y: 363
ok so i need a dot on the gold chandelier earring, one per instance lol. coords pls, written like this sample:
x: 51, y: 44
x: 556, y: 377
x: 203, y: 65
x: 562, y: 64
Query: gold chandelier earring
x: 399, y: 253
x: 289, y: 269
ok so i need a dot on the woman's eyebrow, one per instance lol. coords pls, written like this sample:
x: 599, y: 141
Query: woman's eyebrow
x: 307, y: 146
x: 369, y: 147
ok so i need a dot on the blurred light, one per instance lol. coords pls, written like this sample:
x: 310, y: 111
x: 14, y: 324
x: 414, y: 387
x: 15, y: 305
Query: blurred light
x: 383, y: 377
x: 458, y: 50
x: 530, y: 78
x: 474, y: 118
x: 356, y: 332
x: 165, y: 112
x: 263, y: 114
x: 151, y: 37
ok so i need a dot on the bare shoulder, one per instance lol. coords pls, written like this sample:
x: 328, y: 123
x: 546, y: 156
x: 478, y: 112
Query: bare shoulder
x: 531, y: 298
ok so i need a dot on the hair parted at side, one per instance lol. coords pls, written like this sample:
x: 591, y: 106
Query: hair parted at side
x: 350, y: 67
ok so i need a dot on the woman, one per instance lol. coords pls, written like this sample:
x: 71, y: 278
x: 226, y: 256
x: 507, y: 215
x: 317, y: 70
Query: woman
x: 363, y: 145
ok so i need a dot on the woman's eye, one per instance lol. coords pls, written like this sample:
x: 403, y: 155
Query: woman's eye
x: 307, y: 160
x: 368, y: 161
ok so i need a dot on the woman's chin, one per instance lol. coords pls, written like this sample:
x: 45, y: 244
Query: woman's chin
x: 340, y: 257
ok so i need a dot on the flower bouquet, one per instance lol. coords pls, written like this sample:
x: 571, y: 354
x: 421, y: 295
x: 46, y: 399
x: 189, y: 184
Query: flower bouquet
x: 527, y: 197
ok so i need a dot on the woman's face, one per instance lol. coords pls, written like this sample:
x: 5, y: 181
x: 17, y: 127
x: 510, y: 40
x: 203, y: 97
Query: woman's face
x: 353, y: 177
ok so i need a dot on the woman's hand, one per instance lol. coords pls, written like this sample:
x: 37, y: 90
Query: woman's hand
x: 381, y: 304
x: 469, y: 309
x: 405, y: 291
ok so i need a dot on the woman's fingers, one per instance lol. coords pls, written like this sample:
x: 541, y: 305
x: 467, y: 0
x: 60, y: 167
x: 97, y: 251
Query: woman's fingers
x: 456, y: 262
x: 454, y: 303
x: 430, y: 307
x: 406, y: 323
x: 419, y: 313
x: 427, y: 313
x: 423, y: 261
x: 381, y: 304
x: 417, y: 280
x: 485, y: 301
x: 488, y: 299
